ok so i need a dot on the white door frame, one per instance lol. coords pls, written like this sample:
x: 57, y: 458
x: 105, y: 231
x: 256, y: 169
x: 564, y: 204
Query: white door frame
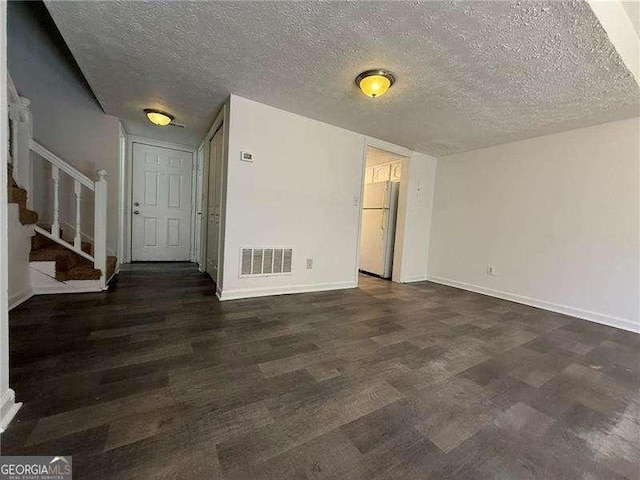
x: 402, y: 202
x: 122, y: 192
x: 128, y: 183
x: 205, y: 244
x: 197, y: 205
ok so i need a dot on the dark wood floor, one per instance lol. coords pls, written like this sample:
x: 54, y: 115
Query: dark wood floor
x: 158, y: 379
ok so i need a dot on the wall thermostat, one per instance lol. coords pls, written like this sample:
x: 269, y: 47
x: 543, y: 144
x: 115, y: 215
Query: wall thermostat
x: 246, y: 157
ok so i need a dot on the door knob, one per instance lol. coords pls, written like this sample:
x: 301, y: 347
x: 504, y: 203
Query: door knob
x: 136, y: 212
x: 136, y: 204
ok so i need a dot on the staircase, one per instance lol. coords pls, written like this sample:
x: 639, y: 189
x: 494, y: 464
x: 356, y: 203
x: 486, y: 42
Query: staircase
x: 58, y: 261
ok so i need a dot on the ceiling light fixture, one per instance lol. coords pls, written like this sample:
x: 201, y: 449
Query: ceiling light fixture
x: 375, y: 83
x: 158, y: 117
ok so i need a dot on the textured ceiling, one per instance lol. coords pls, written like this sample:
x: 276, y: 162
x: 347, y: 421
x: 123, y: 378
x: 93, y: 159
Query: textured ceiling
x: 469, y: 74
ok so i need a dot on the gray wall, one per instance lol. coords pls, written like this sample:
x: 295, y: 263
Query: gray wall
x: 67, y: 118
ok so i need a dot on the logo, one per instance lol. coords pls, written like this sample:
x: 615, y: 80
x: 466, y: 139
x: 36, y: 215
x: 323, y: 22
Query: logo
x: 35, y: 468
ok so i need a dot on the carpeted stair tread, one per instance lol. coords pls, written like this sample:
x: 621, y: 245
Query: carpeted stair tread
x: 19, y: 195
x: 70, y: 265
x: 10, y: 181
x: 39, y: 241
x: 28, y: 217
x: 65, y: 259
x: 83, y: 271
x: 55, y: 253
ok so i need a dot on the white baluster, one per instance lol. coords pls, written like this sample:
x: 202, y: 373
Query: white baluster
x: 55, y: 226
x: 77, y: 190
x: 100, y: 226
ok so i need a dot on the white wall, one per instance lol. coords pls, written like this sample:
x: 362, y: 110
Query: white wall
x: 303, y: 190
x: 557, y: 216
x: 299, y: 191
x: 414, y: 217
x: 67, y: 118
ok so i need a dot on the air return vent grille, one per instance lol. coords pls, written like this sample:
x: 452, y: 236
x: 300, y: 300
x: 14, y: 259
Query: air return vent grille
x: 262, y: 261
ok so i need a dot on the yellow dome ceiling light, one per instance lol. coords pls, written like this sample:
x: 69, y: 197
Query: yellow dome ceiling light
x: 158, y: 117
x: 375, y: 83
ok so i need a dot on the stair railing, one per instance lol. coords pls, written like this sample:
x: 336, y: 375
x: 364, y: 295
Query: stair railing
x: 22, y: 144
x: 99, y: 187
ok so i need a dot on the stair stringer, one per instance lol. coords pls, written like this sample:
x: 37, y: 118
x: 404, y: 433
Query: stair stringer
x: 48, y: 268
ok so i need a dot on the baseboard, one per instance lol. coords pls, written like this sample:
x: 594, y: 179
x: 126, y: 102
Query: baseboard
x: 611, y: 321
x: 284, y: 290
x: 106, y: 285
x: 8, y: 409
x: 19, y: 298
x: 414, y: 278
x: 66, y: 288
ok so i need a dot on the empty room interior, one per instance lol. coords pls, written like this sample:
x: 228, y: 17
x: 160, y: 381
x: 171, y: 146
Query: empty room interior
x: 320, y: 240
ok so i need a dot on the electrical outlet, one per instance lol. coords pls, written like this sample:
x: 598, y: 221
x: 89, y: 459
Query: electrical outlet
x: 309, y: 263
x: 491, y: 270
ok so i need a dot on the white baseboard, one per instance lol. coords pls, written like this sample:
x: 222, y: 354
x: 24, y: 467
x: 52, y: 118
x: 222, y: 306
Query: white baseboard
x: 266, y: 292
x: 67, y: 288
x: 18, y: 298
x: 8, y: 409
x: 609, y: 320
x: 414, y: 278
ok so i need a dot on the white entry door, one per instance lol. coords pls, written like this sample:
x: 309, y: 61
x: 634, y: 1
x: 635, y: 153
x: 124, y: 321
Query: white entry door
x: 161, y: 203
x: 214, y: 205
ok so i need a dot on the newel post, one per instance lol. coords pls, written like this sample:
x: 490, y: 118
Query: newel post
x: 22, y: 139
x: 100, y: 226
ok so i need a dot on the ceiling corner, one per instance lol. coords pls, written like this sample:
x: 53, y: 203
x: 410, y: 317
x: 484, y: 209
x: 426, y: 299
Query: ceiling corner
x: 620, y: 24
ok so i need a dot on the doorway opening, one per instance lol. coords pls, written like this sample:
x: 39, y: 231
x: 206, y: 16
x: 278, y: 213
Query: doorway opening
x: 380, y: 201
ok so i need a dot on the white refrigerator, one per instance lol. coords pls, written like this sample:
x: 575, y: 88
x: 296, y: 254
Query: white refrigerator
x: 379, y: 209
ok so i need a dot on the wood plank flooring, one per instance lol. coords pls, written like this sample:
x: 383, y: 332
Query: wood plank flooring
x: 159, y: 380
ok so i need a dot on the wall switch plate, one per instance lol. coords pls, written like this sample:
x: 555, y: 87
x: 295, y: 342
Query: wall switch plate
x: 309, y: 263
x: 356, y: 200
x: 246, y: 157
x: 491, y: 270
